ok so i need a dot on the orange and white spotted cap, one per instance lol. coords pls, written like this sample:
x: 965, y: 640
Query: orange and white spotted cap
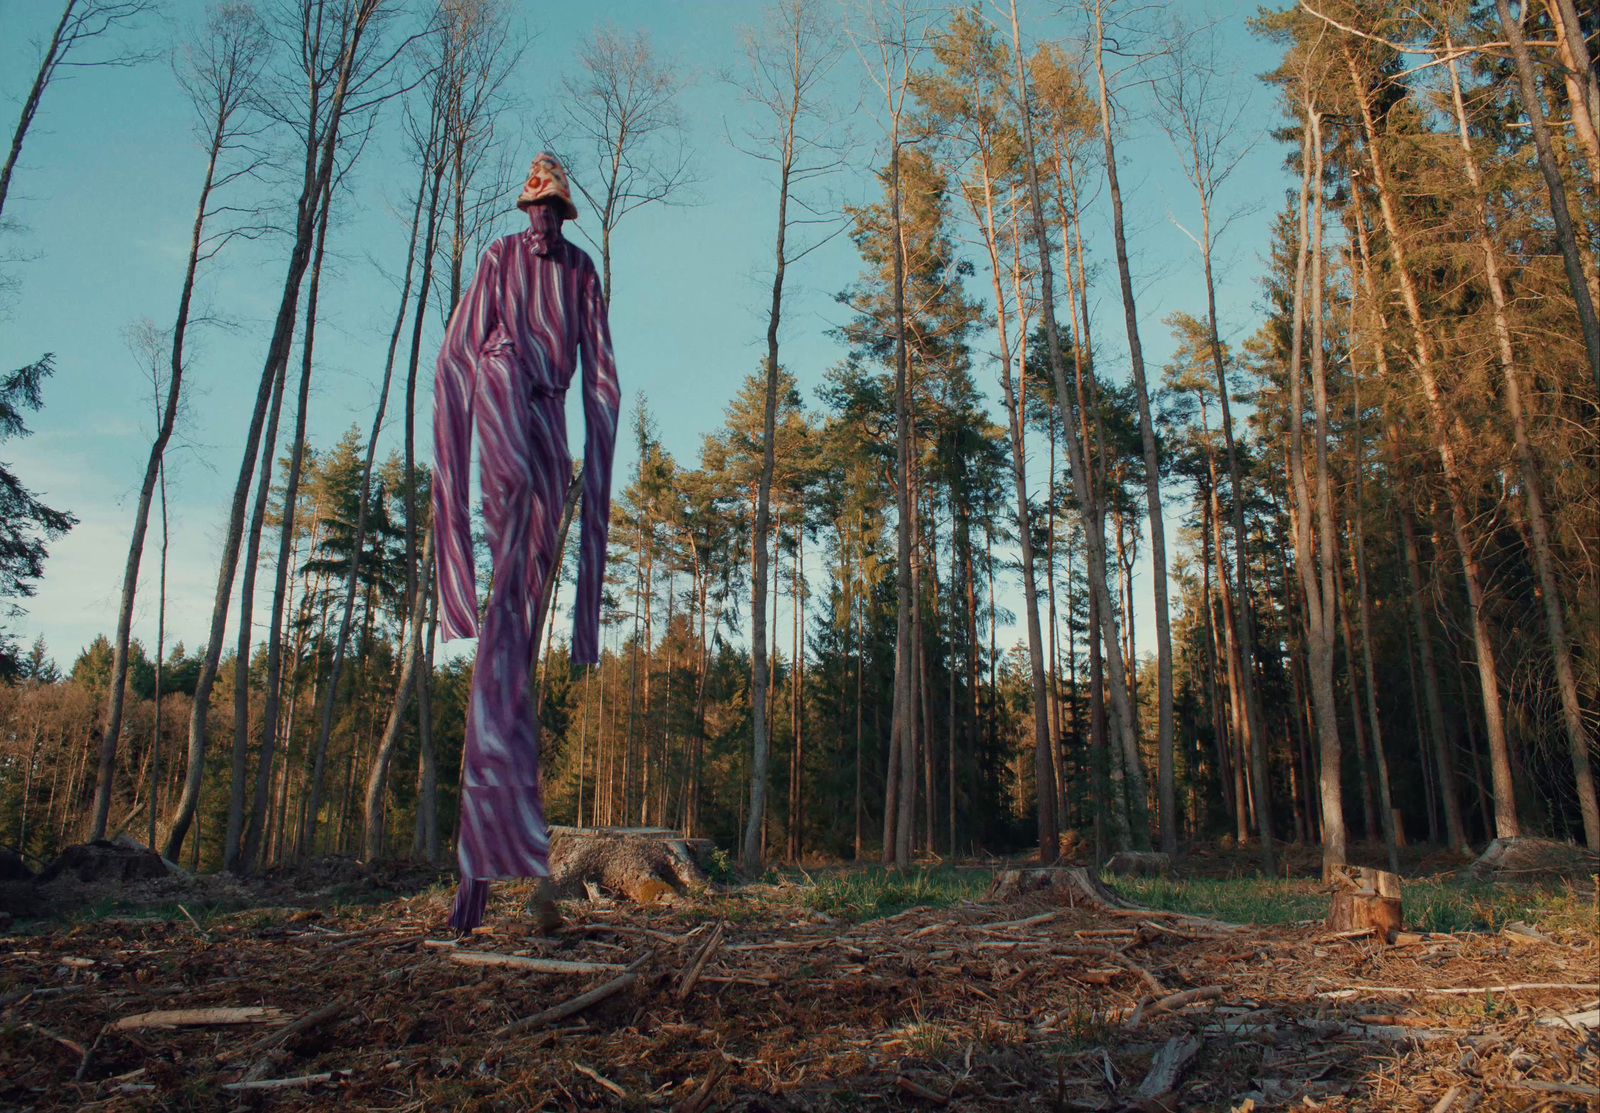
x: 548, y: 178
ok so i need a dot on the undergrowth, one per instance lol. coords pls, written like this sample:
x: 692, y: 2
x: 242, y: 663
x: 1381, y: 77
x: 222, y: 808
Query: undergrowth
x: 864, y: 894
x: 1442, y: 904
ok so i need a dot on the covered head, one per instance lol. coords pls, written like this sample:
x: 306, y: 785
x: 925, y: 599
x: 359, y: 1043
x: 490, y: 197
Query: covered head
x: 547, y: 180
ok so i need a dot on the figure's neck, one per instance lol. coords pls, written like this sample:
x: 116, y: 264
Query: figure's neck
x: 545, y: 220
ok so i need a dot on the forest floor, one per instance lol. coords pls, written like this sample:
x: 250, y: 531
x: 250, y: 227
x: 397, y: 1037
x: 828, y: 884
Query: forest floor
x: 832, y: 988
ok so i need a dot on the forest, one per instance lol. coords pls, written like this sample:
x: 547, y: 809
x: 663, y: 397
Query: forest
x: 979, y: 591
x: 1101, y: 608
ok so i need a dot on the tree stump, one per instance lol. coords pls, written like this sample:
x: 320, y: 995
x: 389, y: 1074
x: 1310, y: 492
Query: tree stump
x: 1368, y: 899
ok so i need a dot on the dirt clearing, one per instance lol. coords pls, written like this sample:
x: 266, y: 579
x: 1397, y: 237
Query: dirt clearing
x: 754, y: 999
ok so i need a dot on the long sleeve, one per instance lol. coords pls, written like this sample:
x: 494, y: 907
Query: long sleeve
x: 454, y: 386
x: 601, y: 400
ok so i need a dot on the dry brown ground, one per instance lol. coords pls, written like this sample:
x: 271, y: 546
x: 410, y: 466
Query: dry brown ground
x: 971, y: 1007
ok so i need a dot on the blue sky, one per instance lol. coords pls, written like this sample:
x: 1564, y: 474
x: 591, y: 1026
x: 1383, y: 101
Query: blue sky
x: 103, y: 196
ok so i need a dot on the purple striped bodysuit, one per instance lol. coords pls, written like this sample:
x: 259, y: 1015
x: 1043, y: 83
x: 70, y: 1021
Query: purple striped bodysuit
x: 509, y: 354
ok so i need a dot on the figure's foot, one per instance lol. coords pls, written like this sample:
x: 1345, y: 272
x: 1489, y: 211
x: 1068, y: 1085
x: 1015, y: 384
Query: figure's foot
x: 542, y: 907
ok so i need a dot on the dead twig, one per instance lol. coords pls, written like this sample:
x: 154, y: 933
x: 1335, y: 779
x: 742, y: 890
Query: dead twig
x: 917, y: 1089
x: 298, y: 1082
x: 534, y: 965
x: 602, y: 1080
x: 1187, y: 997
x: 698, y: 1100
x: 195, y: 922
x: 1454, y: 991
x: 281, y: 1036
x: 692, y: 975
x: 71, y: 1045
x: 567, y: 1008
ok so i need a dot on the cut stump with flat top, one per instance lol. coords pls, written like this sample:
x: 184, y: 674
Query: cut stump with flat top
x: 1369, y: 899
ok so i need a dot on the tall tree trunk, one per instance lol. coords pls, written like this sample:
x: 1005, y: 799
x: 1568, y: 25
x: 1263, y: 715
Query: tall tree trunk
x: 1076, y: 450
x: 1242, y: 621
x: 161, y: 652
x: 902, y: 721
x: 1448, y: 789
x: 1506, y: 824
x: 319, y: 166
x: 1317, y: 590
x: 245, y: 854
x: 761, y: 743
x: 247, y: 595
x: 372, y: 843
x: 1043, y: 762
x: 1579, y: 741
x: 154, y: 471
x: 1167, y: 805
x: 1358, y: 564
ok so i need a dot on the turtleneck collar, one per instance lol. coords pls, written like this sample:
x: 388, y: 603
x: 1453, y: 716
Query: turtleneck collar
x: 544, y: 228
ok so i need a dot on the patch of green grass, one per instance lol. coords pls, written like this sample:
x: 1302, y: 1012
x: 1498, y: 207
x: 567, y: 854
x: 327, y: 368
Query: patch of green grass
x: 865, y: 894
x: 1442, y: 904
x: 1445, y: 904
x: 1245, y: 900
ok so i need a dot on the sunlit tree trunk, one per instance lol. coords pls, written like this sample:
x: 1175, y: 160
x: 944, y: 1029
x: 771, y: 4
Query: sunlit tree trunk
x: 1506, y: 824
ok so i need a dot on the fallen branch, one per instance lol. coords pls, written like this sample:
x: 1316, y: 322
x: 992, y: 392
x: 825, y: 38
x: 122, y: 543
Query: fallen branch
x: 1140, y: 913
x: 1554, y: 1087
x: 534, y: 965
x: 1586, y: 1018
x: 692, y: 975
x: 917, y: 1089
x: 1449, y: 1099
x: 602, y: 1080
x: 619, y: 929
x: 1186, y: 997
x: 1351, y: 991
x: 736, y: 979
x: 567, y: 1008
x: 1153, y: 926
x: 1027, y: 921
x: 190, y: 1018
x: 299, y: 1082
x: 281, y: 1036
x: 71, y: 1045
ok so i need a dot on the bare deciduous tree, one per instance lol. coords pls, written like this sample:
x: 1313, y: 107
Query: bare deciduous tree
x: 1204, y: 119
x: 217, y: 68
x: 789, y: 60
x: 81, y: 23
x: 625, y: 131
x: 336, y: 66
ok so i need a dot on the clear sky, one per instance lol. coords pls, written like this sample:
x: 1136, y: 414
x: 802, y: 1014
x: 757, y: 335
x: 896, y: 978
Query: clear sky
x: 103, y: 196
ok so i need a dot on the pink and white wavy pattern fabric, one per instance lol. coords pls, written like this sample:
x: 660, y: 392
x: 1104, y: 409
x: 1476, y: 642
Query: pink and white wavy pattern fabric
x: 509, y: 354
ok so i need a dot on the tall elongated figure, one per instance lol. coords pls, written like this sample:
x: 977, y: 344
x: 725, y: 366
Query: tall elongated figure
x: 509, y: 354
